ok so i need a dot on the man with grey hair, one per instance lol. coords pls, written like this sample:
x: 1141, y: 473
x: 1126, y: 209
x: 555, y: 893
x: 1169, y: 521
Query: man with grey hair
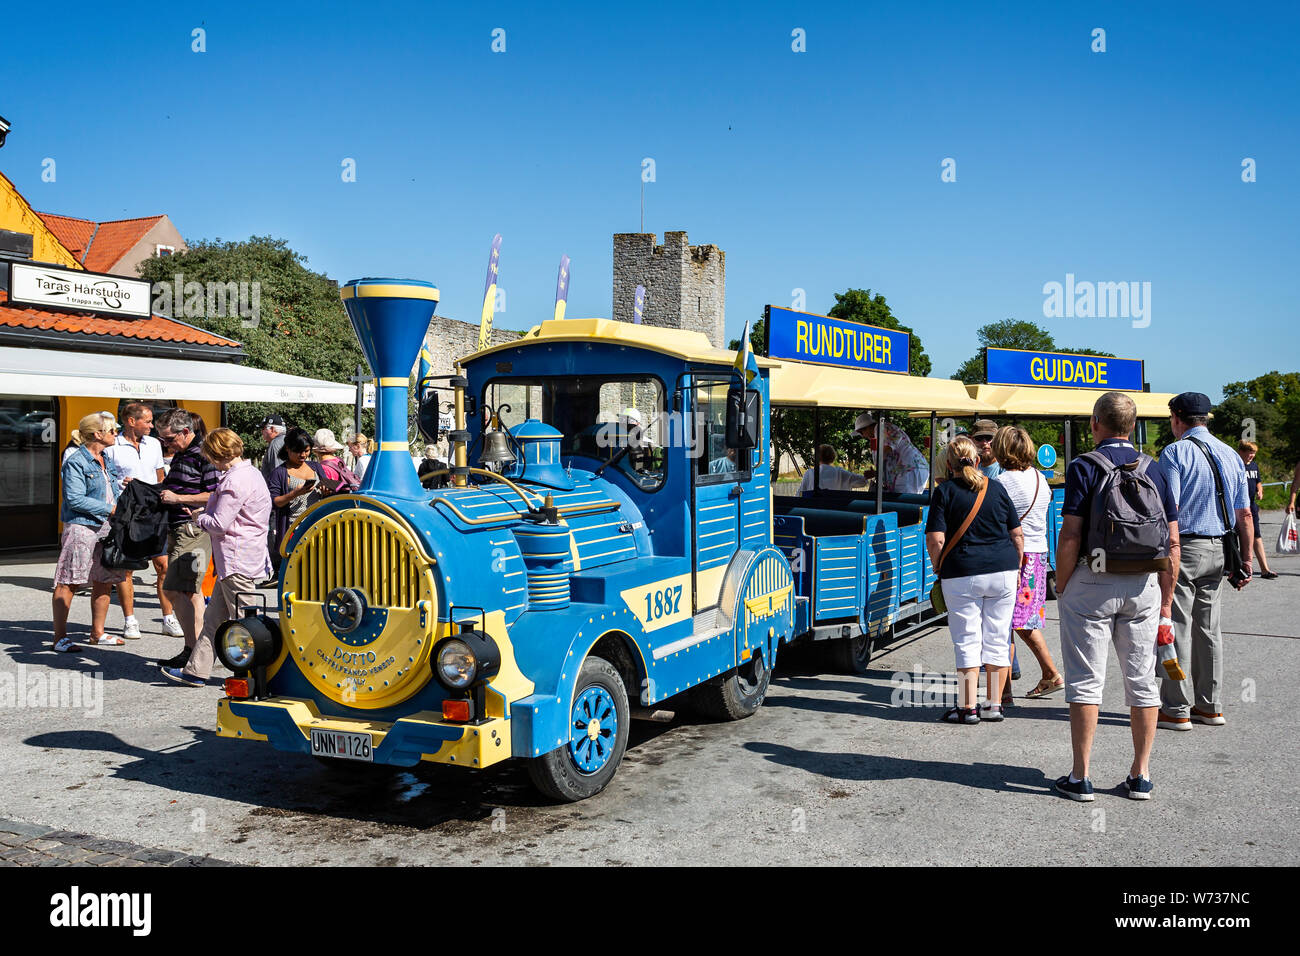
x: 1114, y: 583
x: 1208, y: 480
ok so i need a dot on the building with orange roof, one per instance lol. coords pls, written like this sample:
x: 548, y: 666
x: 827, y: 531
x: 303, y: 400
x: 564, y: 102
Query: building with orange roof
x: 64, y: 357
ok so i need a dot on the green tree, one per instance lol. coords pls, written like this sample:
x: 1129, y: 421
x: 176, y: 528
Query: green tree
x: 859, y: 305
x: 301, y: 328
x: 1267, y: 407
x: 1007, y: 334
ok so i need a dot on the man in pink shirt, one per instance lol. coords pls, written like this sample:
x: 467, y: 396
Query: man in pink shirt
x: 236, y: 518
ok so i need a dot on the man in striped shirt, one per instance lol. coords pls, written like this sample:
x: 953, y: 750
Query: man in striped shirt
x: 186, y: 489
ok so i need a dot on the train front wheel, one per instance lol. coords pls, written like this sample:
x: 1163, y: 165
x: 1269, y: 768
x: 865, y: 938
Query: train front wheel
x: 598, y: 730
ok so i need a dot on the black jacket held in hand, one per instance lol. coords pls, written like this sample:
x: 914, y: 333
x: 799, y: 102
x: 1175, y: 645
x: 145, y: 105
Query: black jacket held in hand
x: 137, y: 529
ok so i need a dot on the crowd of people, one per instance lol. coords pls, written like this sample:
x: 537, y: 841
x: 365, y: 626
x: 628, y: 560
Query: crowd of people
x: 204, y: 502
x: 1144, y: 550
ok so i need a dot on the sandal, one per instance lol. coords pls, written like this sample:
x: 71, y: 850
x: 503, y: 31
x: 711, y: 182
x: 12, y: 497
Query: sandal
x: 105, y: 640
x: 64, y: 645
x: 1046, y: 687
x: 961, y: 715
x: 991, y: 712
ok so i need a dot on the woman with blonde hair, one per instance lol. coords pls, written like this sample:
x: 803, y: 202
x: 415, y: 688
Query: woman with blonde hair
x: 1031, y: 497
x: 236, y: 518
x: 90, y: 483
x: 974, y: 541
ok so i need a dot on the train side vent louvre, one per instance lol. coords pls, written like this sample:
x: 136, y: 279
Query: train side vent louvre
x: 361, y: 554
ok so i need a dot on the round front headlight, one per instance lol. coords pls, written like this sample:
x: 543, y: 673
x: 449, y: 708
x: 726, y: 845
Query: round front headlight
x: 237, y: 647
x: 457, y: 664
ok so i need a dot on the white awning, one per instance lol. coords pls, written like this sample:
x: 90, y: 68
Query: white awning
x: 96, y: 375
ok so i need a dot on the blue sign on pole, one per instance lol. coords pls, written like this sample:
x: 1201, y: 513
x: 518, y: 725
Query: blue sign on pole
x: 1062, y: 370
x: 1046, y: 456
x: 822, y: 340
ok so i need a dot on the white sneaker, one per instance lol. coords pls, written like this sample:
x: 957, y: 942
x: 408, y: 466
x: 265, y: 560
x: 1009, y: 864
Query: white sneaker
x: 172, y: 627
x: 131, y: 631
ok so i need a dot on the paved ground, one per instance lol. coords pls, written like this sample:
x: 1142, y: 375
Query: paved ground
x: 829, y: 771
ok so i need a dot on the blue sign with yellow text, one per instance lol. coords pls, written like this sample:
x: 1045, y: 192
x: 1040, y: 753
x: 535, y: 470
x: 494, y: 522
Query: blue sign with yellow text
x: 1062, y: 370
x: 825, y: 341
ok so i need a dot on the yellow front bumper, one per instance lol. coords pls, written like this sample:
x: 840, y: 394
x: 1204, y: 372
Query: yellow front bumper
x: 287, y: 722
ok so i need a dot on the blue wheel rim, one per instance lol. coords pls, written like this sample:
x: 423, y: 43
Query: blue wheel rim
x: 593, y: 729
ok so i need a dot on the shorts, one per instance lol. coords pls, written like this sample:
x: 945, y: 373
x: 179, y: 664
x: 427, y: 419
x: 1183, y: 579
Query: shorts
x: 188, y: 552
x: 81, y: 557
x: 1098, y: 610
x: 1031, y: 594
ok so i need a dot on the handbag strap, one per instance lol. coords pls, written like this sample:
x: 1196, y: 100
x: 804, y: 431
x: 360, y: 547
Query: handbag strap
x: 1037, y: 485
x: 975, y: 509
x: 1218, y: 483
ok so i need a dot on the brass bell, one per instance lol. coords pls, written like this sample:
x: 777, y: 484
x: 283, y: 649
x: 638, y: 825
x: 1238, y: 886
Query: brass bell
x: 496, y: 448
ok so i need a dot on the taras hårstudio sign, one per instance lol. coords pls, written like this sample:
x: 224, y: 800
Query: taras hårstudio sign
x: 48, y: 287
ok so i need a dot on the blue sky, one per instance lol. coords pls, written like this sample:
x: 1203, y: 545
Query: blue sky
x: 817, y: 170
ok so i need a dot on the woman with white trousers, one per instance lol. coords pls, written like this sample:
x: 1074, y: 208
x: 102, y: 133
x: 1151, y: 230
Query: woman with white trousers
x: 975, y: 543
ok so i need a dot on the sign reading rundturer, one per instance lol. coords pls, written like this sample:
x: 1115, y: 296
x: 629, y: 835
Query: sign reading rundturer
x: 49, y: 287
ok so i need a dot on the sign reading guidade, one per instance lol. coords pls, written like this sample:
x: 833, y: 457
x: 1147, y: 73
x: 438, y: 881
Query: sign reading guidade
x: 84, y: 291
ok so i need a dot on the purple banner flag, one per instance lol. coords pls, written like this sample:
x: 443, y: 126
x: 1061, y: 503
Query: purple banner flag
x: 489, y: 294
x: 638, y: 305
x: 562, y: 288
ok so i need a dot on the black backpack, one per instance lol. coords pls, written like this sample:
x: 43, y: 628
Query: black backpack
x: 1127, y: 520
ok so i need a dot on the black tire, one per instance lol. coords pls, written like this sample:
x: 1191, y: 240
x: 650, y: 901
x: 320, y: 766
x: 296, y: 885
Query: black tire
x: 850, y: 655
x: 736, y: 694
x: 557, y: 774
x: 1051, y: 585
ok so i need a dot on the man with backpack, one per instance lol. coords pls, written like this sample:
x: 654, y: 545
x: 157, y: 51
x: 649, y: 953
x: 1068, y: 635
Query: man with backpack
x: 1208, y: 480
x: 1115, y: 564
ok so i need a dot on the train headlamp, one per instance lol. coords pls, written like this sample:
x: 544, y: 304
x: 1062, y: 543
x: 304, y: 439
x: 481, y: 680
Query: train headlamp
x: 468, y: 658
x: 251, y: 641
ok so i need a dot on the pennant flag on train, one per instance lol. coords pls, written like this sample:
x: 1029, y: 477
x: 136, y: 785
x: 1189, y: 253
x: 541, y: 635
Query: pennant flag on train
x: 426, y: 365
x: 562, y: 288
x: 746, y: 364
x: 489, y: 294
x: 638, y: 305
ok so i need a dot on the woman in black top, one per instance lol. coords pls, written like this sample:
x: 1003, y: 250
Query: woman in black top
x: 1248, y: 450
x: 978, y: 575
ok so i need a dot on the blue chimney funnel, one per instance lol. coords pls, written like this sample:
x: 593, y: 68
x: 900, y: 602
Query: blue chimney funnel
x: 391, y: 317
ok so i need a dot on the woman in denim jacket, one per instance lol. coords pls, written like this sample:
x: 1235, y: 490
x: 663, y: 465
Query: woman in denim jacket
x: 90, y: 483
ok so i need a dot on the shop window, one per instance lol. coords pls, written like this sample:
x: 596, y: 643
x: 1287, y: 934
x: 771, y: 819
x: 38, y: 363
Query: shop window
x: 29, y: 446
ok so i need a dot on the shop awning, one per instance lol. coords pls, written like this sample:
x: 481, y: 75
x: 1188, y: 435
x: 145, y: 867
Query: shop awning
x: 823, y: 386
x: 1026, y: 401
x: 94, y: 375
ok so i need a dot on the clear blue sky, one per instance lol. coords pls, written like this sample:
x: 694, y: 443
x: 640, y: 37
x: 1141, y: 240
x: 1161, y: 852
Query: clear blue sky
x: 816, y: 170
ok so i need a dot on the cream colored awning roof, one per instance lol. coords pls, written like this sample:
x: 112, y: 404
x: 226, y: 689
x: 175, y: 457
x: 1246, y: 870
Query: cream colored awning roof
x: 1027, y: 401
x: 823, y: 386
x: 680, y: 343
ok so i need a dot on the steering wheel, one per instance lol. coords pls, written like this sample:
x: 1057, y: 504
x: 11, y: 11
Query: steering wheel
x: 344, y: 609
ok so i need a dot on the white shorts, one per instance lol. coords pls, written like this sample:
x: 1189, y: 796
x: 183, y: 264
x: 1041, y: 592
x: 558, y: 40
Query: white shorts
x: 979, y: 617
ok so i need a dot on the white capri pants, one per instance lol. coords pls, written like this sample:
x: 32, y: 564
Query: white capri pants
x: 979, y: 617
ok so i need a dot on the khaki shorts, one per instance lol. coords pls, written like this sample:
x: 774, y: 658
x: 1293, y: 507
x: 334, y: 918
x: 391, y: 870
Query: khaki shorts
x: 188, y: 553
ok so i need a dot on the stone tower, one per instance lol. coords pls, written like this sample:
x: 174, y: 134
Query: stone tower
x: 686, y: 286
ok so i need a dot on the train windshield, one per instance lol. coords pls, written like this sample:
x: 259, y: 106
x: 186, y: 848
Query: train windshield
x: 602, y: 418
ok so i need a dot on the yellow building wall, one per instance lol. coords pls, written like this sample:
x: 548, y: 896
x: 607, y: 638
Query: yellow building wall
x: 17, y: 216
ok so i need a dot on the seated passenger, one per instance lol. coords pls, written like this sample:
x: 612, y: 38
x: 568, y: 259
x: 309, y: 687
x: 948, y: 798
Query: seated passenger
x: 725, y: 464
x: 831, y: 477
x: 904, y: 468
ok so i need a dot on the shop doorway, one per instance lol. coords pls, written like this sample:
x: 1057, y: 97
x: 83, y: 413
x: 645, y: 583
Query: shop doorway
x: 29, y: 472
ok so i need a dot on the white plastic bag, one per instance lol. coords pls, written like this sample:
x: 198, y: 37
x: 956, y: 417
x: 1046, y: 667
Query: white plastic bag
x: 1288, y: 539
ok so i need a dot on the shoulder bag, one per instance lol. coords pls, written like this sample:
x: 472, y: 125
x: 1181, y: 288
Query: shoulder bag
x: 1234, y: 568
x: 936, y: 590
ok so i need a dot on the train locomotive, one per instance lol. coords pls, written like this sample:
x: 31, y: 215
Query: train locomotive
x: 601, y: 541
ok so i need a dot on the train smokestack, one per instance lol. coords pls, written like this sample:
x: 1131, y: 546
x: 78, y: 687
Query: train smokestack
x: 391, y: 317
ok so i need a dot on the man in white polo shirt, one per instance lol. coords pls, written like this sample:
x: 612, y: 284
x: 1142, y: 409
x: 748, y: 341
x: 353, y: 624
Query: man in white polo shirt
x: 139, y: 456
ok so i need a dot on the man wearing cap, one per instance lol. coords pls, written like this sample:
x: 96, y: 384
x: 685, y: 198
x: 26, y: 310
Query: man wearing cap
x: 1198, y: 592
x: 273, y: 430
x: 982, y: 436
x: 901, y: 466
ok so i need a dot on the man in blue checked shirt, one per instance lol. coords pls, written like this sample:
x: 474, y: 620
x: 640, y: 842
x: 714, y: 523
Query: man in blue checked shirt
x: 1199, y: 589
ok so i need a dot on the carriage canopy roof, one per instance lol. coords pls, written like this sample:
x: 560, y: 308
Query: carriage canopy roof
x: 1026, y: 401
x: 824, y: 386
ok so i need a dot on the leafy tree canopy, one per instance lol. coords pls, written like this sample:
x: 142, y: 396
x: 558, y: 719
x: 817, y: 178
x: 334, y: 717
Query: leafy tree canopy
x: 859, y: 305
x: 301, y: 328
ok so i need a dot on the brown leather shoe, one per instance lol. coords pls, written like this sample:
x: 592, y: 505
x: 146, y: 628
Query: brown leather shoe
x: 1214, y: 720
x: 1165, y: 722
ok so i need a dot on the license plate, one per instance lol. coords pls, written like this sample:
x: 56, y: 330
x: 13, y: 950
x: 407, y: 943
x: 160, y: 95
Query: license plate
x: 345, y: 745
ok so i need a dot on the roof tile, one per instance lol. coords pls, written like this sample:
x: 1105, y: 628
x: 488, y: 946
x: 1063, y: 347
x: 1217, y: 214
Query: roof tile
x: 156, y: 327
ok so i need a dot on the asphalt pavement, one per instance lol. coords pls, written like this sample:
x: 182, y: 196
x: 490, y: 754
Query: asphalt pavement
x: 831, y: 769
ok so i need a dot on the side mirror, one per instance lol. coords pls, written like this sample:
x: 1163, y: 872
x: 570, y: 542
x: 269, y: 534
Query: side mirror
x: 743, y: 405
x: 427, y: 417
